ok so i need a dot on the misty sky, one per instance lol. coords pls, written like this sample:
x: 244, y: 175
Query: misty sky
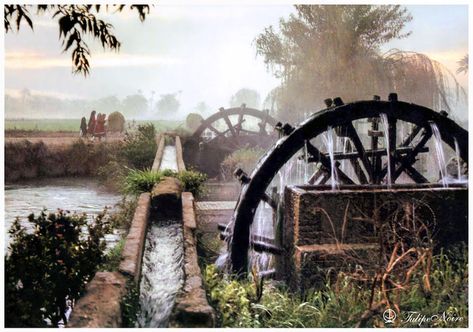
x: 206, y: 52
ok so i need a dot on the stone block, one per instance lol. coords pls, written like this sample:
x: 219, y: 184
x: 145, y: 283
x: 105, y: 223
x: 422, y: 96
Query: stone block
x: 100, y: 305
x: 132, y: 253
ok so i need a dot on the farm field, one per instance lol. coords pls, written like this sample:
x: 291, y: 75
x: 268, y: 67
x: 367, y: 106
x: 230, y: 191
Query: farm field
x: 16, y: 126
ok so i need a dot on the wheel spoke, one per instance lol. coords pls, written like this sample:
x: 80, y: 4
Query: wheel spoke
x: 222, y: 134
x: 392, y: 134
x: 407, y: 161
x: 228, y: 122
x: 353, y: 135
x: 239, y: 125
x: 415, y: 175
x: 411, y: 136
x: 317, y: 174
x: 375, y: 159
x: 325, y: 161
x: 410, y: 158
x: 212, y: 128
x: 271, y: 202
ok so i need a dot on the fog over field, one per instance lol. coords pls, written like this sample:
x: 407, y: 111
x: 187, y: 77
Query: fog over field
x: 201, y: 55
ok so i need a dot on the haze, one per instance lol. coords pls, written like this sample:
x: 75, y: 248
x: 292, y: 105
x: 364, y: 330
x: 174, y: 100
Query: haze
x: 202, y: 53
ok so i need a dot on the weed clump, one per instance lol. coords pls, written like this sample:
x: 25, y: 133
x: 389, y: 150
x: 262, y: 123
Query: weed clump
x: 139, y: 181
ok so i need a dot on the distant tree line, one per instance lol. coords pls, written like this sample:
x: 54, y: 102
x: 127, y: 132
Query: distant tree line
x: 31, y: 105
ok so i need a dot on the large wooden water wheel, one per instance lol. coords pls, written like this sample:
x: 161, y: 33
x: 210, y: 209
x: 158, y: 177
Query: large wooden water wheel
x: 384, y: 143
x: 226, y: 131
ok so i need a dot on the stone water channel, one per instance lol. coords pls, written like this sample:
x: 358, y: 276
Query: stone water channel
x: 159, y: 255
x: 162, y: 272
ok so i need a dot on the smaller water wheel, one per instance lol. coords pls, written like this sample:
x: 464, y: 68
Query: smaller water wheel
x: 383, y: 143
x: 226, y: 131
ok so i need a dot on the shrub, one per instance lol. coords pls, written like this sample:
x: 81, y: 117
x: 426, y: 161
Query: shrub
x: 140, y: 147
x: 245, y: 159
x: 123, y: 217
x: 116, y: 122
x: 49, y: 265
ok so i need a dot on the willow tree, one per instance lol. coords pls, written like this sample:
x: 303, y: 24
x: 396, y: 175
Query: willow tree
x: 325, y: 51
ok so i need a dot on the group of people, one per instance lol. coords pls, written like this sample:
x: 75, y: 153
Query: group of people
x: 95, y: 127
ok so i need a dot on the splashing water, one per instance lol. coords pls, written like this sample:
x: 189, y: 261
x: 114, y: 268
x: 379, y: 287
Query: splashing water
x: 306, y: 163
x: 457, y: 154
x: 328, y: 141
x: 384, y: 120
x: 439, y: 154
x: 162, y: 274
x: 262, y: 227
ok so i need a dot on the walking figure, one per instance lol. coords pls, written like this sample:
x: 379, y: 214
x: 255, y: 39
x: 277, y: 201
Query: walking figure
x: 83, y: 127
x: 92, y: 123
x: 100, y: 126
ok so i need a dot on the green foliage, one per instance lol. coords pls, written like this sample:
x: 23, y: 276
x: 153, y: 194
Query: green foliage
x: 140, y: 146
x: 130, y: 304
x: 192, y: 181
x: 52, y: 262
x: 116, y: 122
x: 123, y: 217
x: 340, y: 303
x: 139, y: 181
x: 113, y: 257
x: 245, y: 159
x: 111, y: 174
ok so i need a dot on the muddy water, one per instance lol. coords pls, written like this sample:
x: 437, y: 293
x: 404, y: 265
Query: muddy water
x: 75, y: 195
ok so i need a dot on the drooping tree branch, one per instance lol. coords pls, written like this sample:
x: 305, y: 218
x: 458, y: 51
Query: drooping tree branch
x: 75, y: 22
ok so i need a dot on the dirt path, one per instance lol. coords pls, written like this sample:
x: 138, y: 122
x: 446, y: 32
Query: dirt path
x: 53, y: 138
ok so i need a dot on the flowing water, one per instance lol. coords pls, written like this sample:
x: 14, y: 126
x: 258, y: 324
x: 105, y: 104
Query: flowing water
x: 442, y: 165
x: 457, y: 155
x: 168, y: 160
x: 162, y: 269
x: 328, y: 140
x: 75, y: 195
x: 384, y: 121
x: 162, y: 274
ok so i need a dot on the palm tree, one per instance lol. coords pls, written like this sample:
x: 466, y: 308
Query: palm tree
x: 463, y: 65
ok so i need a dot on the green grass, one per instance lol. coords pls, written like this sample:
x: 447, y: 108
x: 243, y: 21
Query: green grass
x: 340, y: 303
x: 139, y: 181
x: 72, y: 125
